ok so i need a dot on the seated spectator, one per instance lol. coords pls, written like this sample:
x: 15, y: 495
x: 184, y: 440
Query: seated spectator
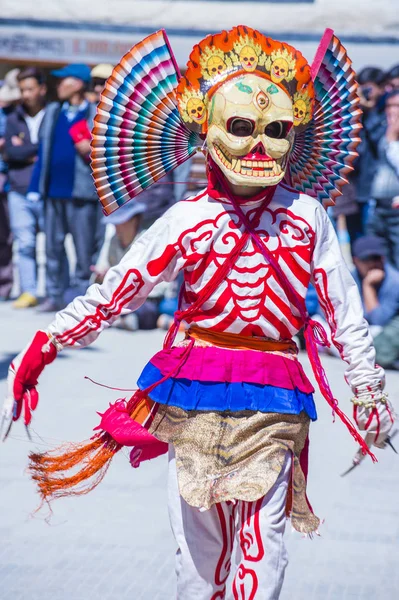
x: 127, y: 221
x: 385, y: 186
x: 151, y: 204
x: 158, y: 199
x: 99, y: 75
x: 21, y: 151
x: 378, y: 281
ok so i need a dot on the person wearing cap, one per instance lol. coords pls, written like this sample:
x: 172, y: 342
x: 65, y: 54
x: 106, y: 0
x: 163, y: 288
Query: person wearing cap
x: 99, y: 75
x: 9, y: 97
x: 62, y: 176
x: 21, y: 150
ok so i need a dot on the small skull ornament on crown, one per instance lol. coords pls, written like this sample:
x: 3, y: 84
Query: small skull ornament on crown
x: 220, y: 57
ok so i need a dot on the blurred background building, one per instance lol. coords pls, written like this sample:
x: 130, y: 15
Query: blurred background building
x: 56, y: 33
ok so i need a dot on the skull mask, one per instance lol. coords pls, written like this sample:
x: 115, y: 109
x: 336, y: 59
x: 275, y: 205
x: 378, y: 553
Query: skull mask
x: 250, y: 131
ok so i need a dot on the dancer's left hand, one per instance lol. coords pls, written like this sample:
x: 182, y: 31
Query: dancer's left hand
x: 377, y: 419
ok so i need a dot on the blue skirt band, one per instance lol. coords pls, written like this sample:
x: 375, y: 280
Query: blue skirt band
x: 226, y: 396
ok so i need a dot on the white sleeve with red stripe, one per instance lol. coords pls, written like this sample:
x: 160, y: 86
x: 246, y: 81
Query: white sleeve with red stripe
x: 125, y: 288
x: 342, y: 306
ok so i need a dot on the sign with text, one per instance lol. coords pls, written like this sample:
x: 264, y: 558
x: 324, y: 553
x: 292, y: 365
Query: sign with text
x: 51, y: 45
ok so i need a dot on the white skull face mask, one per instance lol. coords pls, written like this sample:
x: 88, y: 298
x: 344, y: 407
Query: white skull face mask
x: 250, y: 130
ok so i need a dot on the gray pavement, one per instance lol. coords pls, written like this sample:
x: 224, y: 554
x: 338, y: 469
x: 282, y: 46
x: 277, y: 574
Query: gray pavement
x: 115, y: 543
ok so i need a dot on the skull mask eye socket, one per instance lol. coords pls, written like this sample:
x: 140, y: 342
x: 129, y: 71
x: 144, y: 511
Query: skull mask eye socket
x: 278, y: 129
x: 240, y: 127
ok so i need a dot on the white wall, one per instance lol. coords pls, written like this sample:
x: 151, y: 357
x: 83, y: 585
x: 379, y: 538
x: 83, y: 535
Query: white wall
x: 351, y: 16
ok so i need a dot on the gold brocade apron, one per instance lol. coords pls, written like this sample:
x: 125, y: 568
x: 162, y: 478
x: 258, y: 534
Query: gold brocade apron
x: 227, y: 456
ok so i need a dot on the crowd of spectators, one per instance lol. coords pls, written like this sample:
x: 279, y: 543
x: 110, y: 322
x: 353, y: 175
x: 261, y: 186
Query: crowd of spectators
x: 46, y: 185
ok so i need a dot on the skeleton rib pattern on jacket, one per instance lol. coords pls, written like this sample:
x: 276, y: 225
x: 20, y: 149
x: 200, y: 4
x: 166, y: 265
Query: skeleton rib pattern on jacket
x: 197, y: 236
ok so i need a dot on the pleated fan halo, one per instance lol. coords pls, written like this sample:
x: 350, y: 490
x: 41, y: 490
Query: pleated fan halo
x: 138, y: 135
x: 323, y: 154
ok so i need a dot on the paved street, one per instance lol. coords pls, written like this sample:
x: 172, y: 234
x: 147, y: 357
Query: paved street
x: 115, y: 543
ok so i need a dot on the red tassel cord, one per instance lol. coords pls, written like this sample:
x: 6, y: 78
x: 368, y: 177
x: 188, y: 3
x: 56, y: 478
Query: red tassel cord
x: 314, y: 332
x: 322, y: 381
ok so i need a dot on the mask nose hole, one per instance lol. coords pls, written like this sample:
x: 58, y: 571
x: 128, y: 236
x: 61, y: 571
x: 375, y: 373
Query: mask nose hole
x: 259, y: 149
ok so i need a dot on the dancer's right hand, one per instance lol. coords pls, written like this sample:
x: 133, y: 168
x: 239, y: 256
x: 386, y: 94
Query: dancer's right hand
x: 23, y: 376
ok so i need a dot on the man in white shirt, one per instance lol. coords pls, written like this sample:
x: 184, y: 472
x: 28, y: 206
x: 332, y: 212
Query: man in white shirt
x: 21, y: 149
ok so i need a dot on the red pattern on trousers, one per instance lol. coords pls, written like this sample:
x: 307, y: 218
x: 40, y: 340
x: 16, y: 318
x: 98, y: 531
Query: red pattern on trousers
x: 227, y: 525
x: 245, y: 585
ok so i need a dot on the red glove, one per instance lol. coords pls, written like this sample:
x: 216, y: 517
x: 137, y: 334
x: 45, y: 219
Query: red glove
x: 23, y: 374
x: 80, y: 131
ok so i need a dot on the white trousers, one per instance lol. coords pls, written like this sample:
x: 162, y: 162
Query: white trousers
x: 245, y: 538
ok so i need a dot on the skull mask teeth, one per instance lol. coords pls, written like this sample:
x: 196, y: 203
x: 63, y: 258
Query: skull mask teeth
x: 249, y: 131
x: 262, y: 170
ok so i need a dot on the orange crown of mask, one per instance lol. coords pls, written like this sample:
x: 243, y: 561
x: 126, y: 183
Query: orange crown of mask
x: 220, y: 57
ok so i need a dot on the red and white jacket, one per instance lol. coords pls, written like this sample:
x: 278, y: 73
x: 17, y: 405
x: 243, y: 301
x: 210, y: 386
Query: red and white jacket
x: 197, y: 235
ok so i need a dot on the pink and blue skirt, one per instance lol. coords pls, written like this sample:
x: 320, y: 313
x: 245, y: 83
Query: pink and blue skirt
x: 218, y: 379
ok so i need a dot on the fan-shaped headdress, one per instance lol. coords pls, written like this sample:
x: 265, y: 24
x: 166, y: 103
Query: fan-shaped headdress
x: 150, y: 119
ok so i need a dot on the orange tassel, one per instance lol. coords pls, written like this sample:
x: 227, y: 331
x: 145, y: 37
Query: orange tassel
x: 91, y: 459
x: 48, y: 468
